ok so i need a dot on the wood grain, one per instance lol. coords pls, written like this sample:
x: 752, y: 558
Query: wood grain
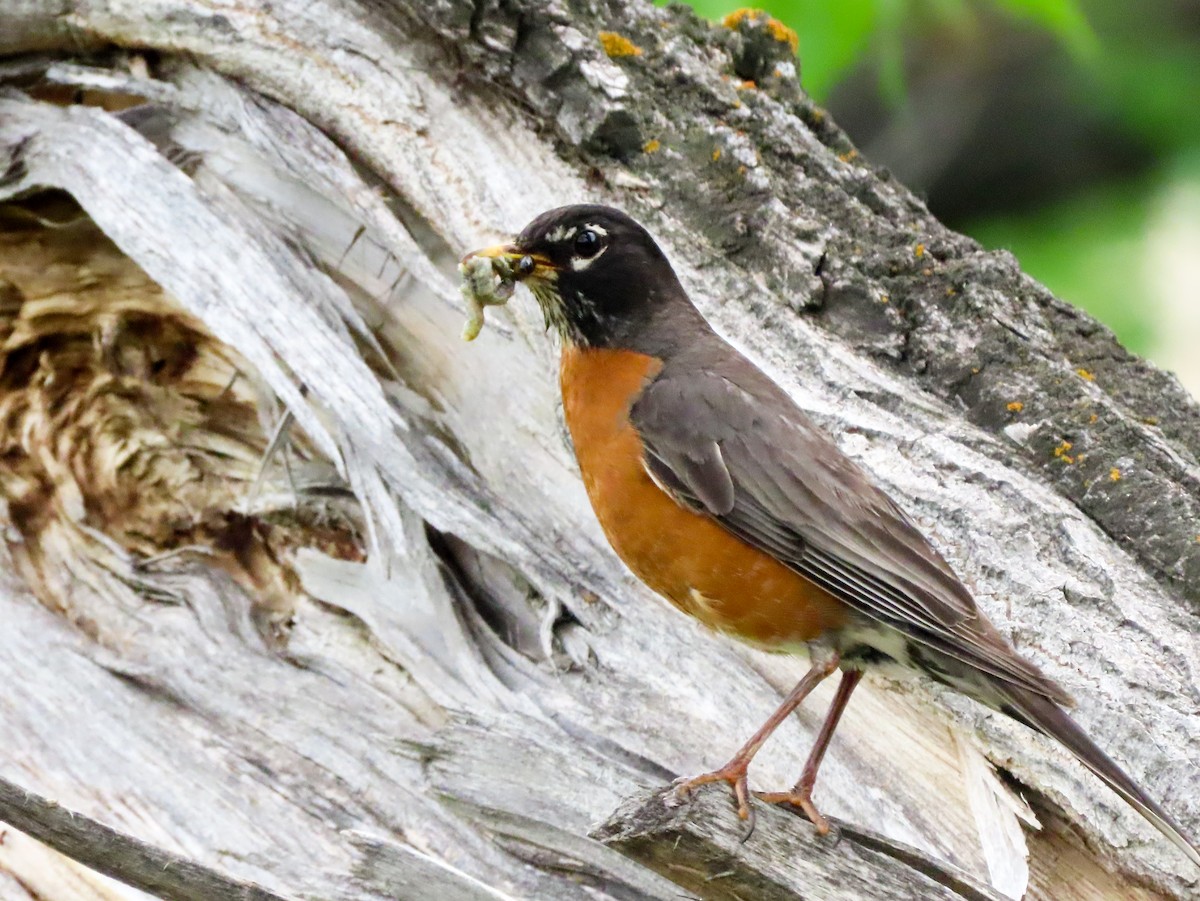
x: 431, y: 669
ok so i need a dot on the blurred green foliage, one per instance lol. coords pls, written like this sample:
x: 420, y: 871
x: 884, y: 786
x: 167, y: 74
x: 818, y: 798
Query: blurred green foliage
x: 1133, y: 66
x: 835, y: 35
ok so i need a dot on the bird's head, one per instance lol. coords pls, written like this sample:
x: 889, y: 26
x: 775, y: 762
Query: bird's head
x: 596, y: 273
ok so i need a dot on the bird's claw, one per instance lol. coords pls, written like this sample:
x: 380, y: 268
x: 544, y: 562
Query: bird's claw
x: 734, y: 773
x: 800, y: 800
x: 748, y: 822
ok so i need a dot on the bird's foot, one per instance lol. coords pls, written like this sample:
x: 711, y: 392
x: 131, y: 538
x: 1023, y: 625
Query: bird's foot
x: 801, y: 799
x: 734, y: 773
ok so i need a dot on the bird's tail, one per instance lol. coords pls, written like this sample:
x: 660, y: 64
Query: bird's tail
x: 1045, y: 716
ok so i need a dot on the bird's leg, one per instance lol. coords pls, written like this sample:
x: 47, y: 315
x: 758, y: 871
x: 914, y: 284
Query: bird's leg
x: 801, y: 793
x: 734, y: 772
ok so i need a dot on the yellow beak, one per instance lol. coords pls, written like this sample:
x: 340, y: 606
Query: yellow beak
x: 542, y: 267
x: 495, y: 252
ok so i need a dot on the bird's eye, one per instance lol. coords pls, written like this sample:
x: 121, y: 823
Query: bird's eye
x: 525, y: 265
x: 587, y: 243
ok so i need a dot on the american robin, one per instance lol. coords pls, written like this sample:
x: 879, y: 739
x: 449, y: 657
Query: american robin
x: 723, y: 496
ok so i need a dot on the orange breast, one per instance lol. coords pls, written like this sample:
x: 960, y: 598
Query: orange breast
x: 687, y: 557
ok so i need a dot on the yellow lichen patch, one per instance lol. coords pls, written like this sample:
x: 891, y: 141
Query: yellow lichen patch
x: 1060, y: 452
x: 1092, y: 418
x: 783, y: 34
x: 738, y: 16
x: 919, y: 250
x: 617, y: 45
x: 1150, y: 420
x: 848, y: 156
x: 1015, y: 406
x: 1114, y: 475
x: 883, y: 298
x: 773, y: 26
x: 777, y: 29
x: 652, y: 146
x: 1084, y: 374
x: 716, y: 154
x: 950, y: 292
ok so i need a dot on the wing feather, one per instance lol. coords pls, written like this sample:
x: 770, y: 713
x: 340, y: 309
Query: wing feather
x: 779, y: 483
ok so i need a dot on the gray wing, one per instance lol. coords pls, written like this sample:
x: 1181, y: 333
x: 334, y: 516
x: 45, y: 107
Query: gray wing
x: 735, y: 446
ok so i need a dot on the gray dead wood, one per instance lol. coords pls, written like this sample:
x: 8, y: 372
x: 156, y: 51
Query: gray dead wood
x: 125, y: 858
x: 701, y: 845
x: 460, y: 710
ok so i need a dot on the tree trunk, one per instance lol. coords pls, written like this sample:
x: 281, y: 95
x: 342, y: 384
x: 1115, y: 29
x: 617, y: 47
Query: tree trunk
x: 303, y: 593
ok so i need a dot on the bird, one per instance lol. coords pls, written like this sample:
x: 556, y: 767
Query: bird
x: 723, y: 496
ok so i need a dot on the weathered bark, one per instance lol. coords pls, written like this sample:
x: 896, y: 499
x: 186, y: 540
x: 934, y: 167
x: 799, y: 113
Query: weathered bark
x: 398, y: 660
x: 702, y: 847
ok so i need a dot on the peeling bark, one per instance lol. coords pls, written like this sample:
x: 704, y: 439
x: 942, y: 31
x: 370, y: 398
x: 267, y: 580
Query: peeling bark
x: 351, y: 630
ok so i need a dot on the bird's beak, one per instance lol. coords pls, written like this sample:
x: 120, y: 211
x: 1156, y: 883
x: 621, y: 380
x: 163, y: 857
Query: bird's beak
x: 512, y: 255
x: 506, y: 252
x: 492, y: 283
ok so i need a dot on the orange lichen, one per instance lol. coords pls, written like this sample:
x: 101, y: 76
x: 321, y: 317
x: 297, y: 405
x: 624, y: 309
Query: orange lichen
x: 1015, y: 406
x: 1092, y: 418
x: 1060, y: 452
x: 651, y: 146
x: 776, y: 29
x: 738, y: 16
x: 747, y: 85
x: 783, y: 34
x: 919, y: 250
x: 849, y: 155
x: 617, y: 46
x: 1114, y: 475
x: 1084, y: 374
